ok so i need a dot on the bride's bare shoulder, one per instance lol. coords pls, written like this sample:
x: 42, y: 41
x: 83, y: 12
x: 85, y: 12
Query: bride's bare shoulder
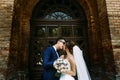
x: 71, y: 58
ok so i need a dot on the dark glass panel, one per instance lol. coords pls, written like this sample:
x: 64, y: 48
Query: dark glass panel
x: 66, y: 31
x: 40, y: 31
x: 78, y: 31
x: 52, y: 31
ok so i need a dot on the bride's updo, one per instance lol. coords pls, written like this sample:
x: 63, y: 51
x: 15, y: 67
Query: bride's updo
x: 70, y: 45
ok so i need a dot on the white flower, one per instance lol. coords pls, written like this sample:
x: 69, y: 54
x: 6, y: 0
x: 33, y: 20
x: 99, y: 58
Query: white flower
x: 61, y: 65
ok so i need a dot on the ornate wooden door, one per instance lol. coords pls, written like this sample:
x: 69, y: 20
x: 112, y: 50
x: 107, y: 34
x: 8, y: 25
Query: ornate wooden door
x: 51, y: 23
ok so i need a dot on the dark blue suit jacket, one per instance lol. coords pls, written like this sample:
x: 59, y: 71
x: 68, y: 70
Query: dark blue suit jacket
x: 49, y: 57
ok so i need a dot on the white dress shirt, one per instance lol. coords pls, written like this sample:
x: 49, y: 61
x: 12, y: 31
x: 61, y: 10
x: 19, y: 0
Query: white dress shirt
x: 56, y: 50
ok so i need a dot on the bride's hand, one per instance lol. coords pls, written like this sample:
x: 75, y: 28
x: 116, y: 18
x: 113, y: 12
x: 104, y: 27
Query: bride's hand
x: 64, y: 71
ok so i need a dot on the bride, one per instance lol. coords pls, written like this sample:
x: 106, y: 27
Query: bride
x: 71, y: 71
x: 76, y: 63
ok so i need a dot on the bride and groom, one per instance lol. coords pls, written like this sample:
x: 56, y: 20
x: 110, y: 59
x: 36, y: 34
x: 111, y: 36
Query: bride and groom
x: 74, y: 57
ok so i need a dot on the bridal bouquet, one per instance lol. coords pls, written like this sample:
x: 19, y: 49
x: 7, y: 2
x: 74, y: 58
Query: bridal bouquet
x: 61, y: 65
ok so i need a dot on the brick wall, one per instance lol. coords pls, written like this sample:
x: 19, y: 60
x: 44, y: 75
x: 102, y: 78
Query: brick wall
x: 113, y: 10
x: 6, y: 10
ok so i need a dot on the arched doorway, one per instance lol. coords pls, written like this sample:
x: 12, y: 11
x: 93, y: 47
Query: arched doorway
x: 52, y: 19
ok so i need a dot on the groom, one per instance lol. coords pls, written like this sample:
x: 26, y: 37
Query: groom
x: 49, y: 56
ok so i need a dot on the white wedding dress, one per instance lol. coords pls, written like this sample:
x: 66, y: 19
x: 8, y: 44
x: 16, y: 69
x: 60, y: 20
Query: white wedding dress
x: 66, y: 76
x: 82, y: 71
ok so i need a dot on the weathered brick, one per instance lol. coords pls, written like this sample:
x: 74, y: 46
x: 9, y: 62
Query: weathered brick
x: 6, y: 11
x: 113, y: 8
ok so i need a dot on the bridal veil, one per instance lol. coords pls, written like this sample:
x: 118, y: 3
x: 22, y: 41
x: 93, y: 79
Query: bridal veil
x: 82, y: 71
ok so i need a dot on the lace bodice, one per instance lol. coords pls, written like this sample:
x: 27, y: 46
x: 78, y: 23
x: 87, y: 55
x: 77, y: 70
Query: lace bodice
x: 68, y: 64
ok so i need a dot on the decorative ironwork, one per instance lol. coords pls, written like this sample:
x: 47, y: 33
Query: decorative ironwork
x: 58, y: 16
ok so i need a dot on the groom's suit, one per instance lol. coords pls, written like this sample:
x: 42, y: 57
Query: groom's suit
x: 49, y: 57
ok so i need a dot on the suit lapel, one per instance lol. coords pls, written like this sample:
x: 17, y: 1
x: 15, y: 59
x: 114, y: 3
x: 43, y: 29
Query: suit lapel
x: 56, y: 53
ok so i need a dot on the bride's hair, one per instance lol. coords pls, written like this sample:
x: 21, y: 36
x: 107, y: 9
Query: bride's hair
x: 73, y: 43
x: 70, y: 45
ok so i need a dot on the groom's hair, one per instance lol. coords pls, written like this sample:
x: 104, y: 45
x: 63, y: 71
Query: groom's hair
x: 60, y: 38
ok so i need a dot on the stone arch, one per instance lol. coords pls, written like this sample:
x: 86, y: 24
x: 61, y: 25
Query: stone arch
x: 19, y: 42
x: 100, y: 38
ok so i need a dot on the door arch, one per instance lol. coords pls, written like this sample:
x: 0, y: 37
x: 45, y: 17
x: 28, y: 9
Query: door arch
x: 52, y: 19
